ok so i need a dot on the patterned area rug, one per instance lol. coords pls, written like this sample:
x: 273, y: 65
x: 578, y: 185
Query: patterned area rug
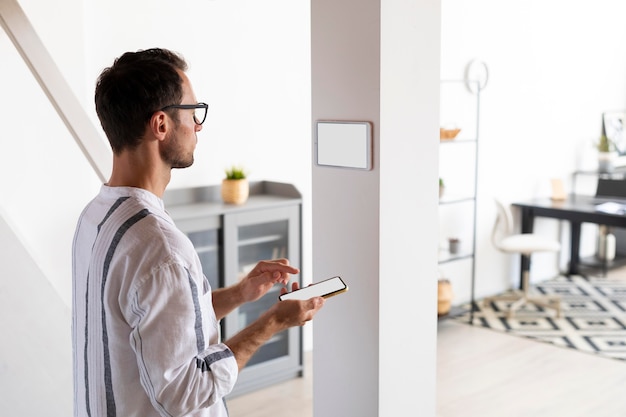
x: 593, y: 316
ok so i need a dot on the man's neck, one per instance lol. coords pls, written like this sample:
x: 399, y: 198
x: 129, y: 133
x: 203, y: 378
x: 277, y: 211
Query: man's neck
x: 129, y: 170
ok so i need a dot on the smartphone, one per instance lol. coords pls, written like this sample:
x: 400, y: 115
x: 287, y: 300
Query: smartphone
x: 327, y: 288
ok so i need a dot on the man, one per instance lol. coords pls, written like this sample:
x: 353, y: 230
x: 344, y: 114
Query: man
x: 145, y: 325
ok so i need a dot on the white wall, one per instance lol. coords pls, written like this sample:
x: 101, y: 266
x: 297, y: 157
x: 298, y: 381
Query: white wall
x: 249, y: 64
x: 35, y: 361
x: 554, y: 67
x: 254, y: 77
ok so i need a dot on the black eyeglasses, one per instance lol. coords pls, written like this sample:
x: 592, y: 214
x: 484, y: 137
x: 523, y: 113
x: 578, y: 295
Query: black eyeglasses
x: 199, y: 114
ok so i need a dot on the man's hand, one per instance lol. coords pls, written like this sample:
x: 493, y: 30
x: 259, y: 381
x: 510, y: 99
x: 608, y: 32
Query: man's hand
x: 253, y: 286
x: 296, y: 314
x: 281, y: 316
x: 264, y: 276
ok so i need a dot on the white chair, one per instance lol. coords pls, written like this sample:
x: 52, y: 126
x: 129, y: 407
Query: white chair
x: 524, y: 244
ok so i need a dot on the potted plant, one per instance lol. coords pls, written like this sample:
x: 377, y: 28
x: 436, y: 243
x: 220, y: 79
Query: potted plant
x: 442, y: 187
x: 235, y: 187
x: 606, y: 152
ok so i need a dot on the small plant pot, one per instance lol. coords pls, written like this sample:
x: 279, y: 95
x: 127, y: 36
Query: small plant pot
x: 606, y: 161
x: 235, y: 191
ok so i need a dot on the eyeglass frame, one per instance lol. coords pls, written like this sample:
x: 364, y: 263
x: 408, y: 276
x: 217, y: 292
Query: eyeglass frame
x: 188, y: 107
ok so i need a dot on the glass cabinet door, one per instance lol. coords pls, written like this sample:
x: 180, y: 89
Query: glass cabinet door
x: 205, y: 235
x: 248, y: 238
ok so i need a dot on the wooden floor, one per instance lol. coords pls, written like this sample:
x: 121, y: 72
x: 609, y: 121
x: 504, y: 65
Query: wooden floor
x: 485, y: 373
x: 287, y: 399
x: 488, y: 374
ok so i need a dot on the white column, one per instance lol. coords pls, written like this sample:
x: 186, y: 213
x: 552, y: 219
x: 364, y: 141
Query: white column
x: 374, y: 350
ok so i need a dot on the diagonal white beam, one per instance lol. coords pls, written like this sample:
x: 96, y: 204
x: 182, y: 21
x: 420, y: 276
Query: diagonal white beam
x: 36, y: 56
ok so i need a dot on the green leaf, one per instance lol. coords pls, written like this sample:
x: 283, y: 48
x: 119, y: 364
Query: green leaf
x: 235, y: 173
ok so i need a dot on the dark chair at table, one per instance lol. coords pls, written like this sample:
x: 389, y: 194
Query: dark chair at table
x: 610, y: 189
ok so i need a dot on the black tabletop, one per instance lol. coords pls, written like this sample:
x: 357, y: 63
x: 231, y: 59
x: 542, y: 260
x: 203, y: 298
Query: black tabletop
x: 580, y: 208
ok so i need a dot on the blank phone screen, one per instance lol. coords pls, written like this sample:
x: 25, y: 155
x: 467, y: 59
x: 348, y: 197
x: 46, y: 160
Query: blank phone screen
x: 324, y: 288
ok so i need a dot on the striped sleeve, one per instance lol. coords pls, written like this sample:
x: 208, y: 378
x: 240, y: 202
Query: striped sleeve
x: 180, y: 369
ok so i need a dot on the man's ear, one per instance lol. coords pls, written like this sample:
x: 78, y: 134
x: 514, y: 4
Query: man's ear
x: 159, y: 125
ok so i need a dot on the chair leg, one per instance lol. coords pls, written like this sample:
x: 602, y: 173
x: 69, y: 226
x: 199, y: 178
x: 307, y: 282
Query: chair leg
x: 521, y: 298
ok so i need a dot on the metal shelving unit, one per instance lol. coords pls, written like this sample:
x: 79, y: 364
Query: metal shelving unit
x: 460, y: 193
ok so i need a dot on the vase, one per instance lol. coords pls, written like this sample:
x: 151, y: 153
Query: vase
x: 444, y: 297
x: 235, y: 191
x: 606, y: 161
x: 606, y: 244
x: 454, y: 245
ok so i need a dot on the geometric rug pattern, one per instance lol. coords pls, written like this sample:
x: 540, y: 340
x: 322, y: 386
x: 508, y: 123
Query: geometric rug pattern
x: 593, y: 316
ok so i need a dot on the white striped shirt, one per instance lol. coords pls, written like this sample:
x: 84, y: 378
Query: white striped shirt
x: 145, y: 336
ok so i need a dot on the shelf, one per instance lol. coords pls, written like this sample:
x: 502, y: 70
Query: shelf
x: 190, y: 203
x: 617, y: 173
x: 446, y: 257
x: 207, y: 248
x: 458, y: 168
x: 457, y: 141
x: 455, y: 200
x: 261, y: 240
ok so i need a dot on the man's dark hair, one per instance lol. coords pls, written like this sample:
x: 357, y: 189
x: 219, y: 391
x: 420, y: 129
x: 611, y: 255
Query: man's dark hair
x: 132, y: 89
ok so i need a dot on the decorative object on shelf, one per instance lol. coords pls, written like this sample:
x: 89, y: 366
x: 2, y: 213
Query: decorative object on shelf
x: 613, y: 127
x: 558, y: 190
x: 448, y: 133
x: 235, y: 187
x: 442, y: 187
x: 607, y: 152
x: 444, y: 296
x: 454, y: 245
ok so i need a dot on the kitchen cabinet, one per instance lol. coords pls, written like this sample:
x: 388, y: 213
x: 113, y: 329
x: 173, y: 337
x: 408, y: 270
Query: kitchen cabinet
x: 230, y: 240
